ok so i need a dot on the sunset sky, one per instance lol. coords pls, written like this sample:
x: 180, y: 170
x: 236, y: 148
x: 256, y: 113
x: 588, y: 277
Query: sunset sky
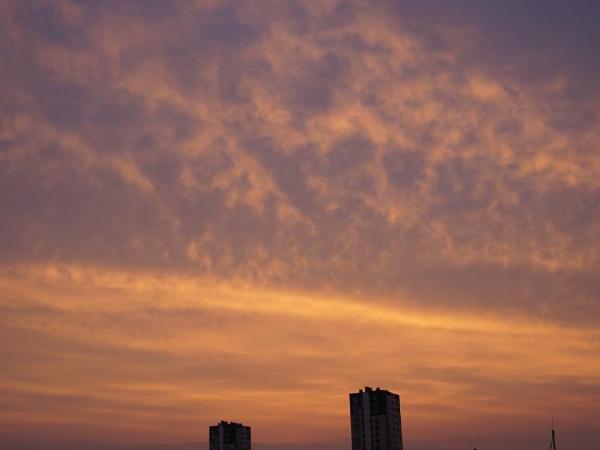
x: 245, y: 210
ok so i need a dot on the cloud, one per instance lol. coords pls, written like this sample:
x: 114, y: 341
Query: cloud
x: 336, y: 153
x: 339, y: 156
x: 97, y: 347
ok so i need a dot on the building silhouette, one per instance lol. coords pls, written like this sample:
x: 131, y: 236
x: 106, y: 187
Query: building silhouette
x: 229, y: 436
x: 375, y: 420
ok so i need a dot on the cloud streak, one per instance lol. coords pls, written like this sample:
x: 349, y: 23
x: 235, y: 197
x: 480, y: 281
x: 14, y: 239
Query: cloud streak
x: 99, y: 347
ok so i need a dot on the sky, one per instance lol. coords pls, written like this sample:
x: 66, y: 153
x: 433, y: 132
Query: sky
x: 222, y: 210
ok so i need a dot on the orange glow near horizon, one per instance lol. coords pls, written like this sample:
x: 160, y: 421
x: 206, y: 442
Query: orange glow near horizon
x: 165, y: 353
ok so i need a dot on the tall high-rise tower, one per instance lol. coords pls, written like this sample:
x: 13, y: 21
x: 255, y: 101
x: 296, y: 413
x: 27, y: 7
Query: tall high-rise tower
x: 375, y: 420
x: 229, y: 436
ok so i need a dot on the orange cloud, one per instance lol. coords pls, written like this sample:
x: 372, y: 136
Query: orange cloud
x: 160, y: 352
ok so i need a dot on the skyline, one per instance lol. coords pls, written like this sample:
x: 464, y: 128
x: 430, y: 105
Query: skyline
x: 229, y: 436
x: 244, y: 209
x: 375, y: 420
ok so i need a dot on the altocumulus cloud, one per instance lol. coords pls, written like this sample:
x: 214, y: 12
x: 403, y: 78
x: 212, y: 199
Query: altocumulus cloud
x: 324, y: 146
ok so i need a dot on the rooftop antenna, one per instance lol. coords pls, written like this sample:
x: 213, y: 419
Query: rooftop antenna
x: 553, y: 441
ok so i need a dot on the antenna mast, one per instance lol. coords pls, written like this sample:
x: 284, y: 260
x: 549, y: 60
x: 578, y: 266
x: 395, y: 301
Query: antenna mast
x: 553, y: 442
